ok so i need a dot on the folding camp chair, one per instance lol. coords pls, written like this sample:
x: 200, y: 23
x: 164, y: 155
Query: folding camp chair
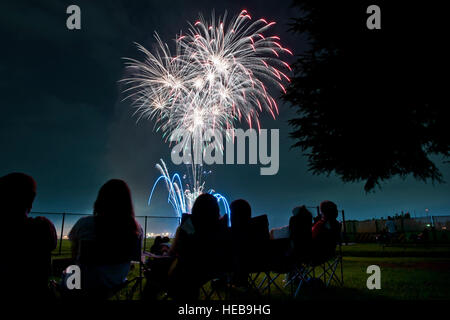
x: 217, y: 283
x: 159, y: 284
x: 298, y: 272
x: 94, y: 253
x: 216, y: 288
x: 156, y: 270
x: 129, y: 288
x: 278, y: 264
x: 325, y: 269
x: 268, y: 282
x: 210, y: 274
x: 256, y: 261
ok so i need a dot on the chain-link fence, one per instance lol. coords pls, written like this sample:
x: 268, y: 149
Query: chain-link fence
x: 152, y: 226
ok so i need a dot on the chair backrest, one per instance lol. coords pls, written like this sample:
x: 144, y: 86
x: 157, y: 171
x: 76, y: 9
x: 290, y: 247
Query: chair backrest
x: 300, y: 235
x: 203, y: 251
x: 100, y: 252
x: 259, y: 228
x: 258, y: 242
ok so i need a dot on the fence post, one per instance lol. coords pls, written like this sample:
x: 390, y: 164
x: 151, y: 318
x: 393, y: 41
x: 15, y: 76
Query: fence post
x: 62, y: 232
x: 145, y: 232
x: 345, y: 228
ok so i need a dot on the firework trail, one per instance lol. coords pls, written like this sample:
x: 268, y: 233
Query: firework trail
x: 180, y: 200
x: 176, y: 195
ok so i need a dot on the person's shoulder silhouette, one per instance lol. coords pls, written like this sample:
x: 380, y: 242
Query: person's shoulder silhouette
x: 26, y: 242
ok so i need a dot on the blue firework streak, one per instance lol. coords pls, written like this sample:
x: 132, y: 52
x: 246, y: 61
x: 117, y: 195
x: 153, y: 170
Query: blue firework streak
x: 177, y: 196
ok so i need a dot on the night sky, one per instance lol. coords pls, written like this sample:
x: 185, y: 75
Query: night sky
x: 63, y: 120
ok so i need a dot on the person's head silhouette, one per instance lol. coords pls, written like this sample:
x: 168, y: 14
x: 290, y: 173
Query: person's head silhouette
x: 301, y: 219
x: 114, y: 200
x: 328, y: 210
x: 301, y: 211
x: 205, y: 212
x: 114, y: 208
x: 241, y: 213
x: 17, y: 193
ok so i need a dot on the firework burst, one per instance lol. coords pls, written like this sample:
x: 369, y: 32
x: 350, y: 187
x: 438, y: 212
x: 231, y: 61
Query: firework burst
x: 217, y: 76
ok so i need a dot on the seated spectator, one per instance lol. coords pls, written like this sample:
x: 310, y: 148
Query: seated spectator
x: 326, y: 232
x: 199, y: 247
x: 161, y: 246
x: 312, y: 242
x: 291, y: 243
x: 105, y: 243
x: 241, y: 213
x: 155, y: 247
x: 196, y: 250
x: 26, y: 242
x: 300, y: 225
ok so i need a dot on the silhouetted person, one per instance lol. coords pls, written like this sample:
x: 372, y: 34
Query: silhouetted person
x: 161, y: 246
x: 199, y: 248
x: 313, y: 242
x: 26, y: 242
x: 300, y: 232
x: 155, y: 246
x: 241, y: 213
x: 326, y: 232
x: 105, y: 243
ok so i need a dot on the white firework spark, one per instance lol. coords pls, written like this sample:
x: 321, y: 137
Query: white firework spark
x: 218, y: 76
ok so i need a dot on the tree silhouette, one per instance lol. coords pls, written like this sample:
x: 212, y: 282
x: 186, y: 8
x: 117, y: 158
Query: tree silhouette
x: 370, y: 103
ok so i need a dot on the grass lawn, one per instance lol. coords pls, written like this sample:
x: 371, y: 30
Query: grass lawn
x: 401, y: 278
x: 406, y: 250
x: 411, y: 273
